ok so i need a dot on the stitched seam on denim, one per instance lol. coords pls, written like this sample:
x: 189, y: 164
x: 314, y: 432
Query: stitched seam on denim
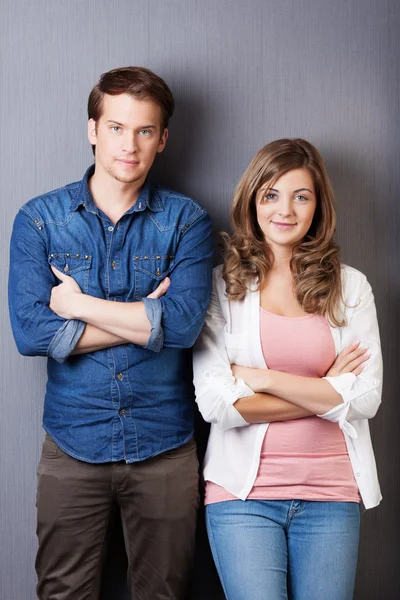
x: 211, y: 535
x: 131, y: 419
x: 196, y: 216
x: 181, y: 198
x: 47, y: 221
x: 157, y: 224
x: 41, y: 232
x: 63, y: 448
x: 185, y: 441
x: 288, y: 519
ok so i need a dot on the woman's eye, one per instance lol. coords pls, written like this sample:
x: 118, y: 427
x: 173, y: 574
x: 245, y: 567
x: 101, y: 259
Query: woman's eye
x: 270, y: 197
x: 301, y: 198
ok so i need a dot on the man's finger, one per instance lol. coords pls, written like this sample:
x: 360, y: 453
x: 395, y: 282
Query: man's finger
x: 161, y: 289
x: 61, y: 276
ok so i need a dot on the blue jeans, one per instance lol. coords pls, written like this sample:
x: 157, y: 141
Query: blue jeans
x: 280, y: 549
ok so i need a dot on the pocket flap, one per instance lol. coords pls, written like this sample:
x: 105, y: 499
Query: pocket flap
x: 70, y: 262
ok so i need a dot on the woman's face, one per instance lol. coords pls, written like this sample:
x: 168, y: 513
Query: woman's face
x: 285, y: 211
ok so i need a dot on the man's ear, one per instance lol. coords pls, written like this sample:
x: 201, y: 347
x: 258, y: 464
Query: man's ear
x: 92, y: 134
x: 163, y: 141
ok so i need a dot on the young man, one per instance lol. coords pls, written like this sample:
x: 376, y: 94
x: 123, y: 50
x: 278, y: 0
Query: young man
x: 134, y: 264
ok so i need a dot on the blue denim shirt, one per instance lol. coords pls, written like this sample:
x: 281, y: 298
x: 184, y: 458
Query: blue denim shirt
x: 128, y: 402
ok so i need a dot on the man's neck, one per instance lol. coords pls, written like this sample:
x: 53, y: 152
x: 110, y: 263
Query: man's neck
x: 113, y: 197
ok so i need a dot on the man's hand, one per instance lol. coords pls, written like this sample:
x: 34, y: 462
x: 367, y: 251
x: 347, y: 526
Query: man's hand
x: 161, y: 290
x: 63, y: 297
x: 350, y: 360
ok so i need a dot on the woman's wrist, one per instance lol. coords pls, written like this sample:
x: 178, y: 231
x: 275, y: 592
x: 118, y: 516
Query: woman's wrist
x: 78, y: 306
x: 268, y: 381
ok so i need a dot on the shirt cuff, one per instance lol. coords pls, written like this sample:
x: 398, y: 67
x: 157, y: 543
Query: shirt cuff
x: 153, y: 310
x: 230, y: 417
x: 65, y: 340
x: 343, y: 385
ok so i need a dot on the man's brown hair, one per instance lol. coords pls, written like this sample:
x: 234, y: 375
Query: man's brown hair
x: 138, y: 82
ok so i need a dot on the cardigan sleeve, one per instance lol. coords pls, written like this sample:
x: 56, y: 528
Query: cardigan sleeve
x: 216, y: 388
x: 361, y: 394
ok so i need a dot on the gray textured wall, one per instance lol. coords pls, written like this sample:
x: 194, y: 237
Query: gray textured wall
x: 243, y: 72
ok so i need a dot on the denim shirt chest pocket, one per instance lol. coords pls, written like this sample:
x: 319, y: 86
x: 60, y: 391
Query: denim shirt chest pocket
x: 149, y: 271
x: 75, y: 265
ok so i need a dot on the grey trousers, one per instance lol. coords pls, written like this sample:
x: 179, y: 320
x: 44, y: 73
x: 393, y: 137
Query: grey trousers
x: 158, y: 500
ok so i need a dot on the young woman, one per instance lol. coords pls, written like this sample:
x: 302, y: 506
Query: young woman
x: 288, y: 371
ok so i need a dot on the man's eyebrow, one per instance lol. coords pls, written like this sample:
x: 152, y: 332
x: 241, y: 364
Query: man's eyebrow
x: 122, y: 125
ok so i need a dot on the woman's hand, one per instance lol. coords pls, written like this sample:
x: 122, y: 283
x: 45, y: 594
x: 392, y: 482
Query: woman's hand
x: 256, y: 379
x: 350, y: 360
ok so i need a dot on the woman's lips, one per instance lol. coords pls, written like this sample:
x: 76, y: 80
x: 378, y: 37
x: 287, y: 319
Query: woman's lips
x: 283, y: 226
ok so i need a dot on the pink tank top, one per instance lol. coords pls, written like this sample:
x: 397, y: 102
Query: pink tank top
x: 304, y: 459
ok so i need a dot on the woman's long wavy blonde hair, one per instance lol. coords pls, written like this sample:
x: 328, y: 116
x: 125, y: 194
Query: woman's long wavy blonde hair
x: 315, y: 260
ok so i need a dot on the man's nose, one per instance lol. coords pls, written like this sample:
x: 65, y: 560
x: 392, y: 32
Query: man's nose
x: 129, y: 143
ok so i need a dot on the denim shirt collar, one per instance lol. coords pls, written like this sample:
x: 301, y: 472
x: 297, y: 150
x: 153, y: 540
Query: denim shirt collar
x: 148, y: 197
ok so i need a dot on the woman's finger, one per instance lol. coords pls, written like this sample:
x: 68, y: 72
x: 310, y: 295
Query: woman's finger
x: 351, y: 356
x: 350, y: 368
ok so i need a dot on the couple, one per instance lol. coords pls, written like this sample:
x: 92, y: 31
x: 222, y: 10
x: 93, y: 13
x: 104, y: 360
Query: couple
x: 110, y: 278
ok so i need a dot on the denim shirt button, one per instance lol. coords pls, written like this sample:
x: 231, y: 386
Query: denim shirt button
x: 120, y: 376
x: 122, y: 412
x: 110, y: 228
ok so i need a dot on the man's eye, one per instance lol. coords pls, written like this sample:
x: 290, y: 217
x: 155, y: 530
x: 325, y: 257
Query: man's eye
x: 145, y: 131
x: 115, y: 128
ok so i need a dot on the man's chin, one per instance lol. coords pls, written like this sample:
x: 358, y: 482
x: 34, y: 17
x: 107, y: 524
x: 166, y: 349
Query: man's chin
x: 124, y: 178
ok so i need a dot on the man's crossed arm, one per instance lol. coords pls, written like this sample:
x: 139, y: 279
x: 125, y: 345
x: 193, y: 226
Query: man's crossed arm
x: 107, y: 323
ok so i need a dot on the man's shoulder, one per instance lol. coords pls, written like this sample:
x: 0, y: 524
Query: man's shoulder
x: 172, y: 200
x: 52, y: 205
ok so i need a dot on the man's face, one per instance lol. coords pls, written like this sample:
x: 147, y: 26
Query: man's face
x: 127, y: 137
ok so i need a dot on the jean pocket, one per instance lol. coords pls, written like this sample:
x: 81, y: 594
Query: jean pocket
x: 149, y: 272
x: 50, y: 448
x: 74, y: 264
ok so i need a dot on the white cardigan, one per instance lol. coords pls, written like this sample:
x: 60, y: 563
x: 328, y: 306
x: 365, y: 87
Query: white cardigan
x: 231, y: 334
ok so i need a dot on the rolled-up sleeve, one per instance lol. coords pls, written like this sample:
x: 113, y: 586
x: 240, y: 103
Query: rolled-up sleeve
x: 216, y: 388
x: 361, y: 395
x: 176, y: 319
x: 153, y: 310
x: 37, y: 330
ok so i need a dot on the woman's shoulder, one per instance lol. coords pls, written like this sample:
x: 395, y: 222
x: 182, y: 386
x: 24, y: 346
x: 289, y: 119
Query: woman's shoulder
x: 355, y: 284
x: 352, y: 276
